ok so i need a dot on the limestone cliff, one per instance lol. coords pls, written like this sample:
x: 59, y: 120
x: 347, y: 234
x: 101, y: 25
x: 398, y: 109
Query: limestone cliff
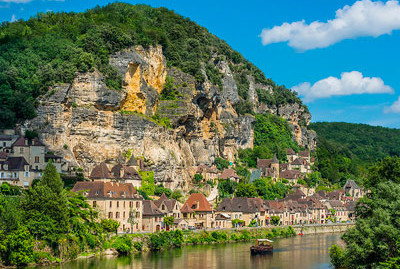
x: 89, y: 123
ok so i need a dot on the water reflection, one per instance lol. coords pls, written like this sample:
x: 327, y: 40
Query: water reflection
x: 309, y: 251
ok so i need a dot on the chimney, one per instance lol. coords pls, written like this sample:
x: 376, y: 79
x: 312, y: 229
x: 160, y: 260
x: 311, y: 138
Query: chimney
x: 197, y: 204
x: 26, y: 142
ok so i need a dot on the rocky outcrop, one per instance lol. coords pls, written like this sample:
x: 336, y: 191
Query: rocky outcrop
x: 89, y: 123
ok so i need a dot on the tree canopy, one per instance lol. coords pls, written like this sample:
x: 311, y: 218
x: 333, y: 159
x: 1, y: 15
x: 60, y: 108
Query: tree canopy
x: 374, y: 241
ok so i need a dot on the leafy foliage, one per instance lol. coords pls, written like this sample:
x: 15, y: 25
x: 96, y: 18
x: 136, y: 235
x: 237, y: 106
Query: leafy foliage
x: 272, y: 135
x: 47, y: 212
x: 269, y: 190
x: 246, y: 190
x: 226, y: 188
x: 221, y: 163
x: 51, y: 47
x: 374, y: 240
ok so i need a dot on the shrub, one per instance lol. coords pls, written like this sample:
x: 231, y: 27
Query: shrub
x: 138, y: 246
x: 123, y: 244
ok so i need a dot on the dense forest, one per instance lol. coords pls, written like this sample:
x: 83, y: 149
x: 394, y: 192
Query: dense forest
x: 347, y: 149
x: 51, y: 47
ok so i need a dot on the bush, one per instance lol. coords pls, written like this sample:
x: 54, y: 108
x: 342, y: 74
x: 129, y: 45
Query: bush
x: 337, y: 256
x: 110, y: 225
x: 123, y: 244
x: 138, y: 246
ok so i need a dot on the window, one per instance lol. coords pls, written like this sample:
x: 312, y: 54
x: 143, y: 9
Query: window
x: 137, y: 215
x: 117, y: 215
x: 110, y: 203
x: 4, y: 144
x: 163, y: 207
x: 130, y: 204
x: 37, y: 159
x: 117, y: 203
x: 94, y: 203
x: 110, y: 215
x: 137, y: 204
x: 124, y: 204
x: 123, y: 214
x: 21, y: 150
x: 26, y: 183
x: 26, y: 174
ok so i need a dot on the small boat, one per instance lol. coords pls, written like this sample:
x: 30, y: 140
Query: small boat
x: 262, y: 246
x: 301, y: 234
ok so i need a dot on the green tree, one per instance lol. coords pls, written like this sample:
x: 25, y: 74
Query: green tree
x: 275, y: 220
x: 17, y: 247
x: 169, y: 222
x: 374, y: 239
x: 110, y: 225
x: 198, y: 178
x: 246, y: 190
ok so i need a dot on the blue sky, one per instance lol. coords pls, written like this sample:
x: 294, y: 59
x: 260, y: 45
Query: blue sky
x: 296, y: 53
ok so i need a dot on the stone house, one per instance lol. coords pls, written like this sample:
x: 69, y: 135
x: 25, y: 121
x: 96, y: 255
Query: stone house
x: 208, y: 172
x: 32, y: 150
x: 269, y: 167
x: 291, y: 175
x: 291, y: 155
x: 223, y: 221
x: 243, y: 208
x: 351, y: 188
x: 341, y: 211
x: 171, y: 208
x: 200, y: 210
x: 230, y: 174
x: 153, y: 218
x: 127, y: 174
x: 17, y: 171
x: 300, y: 164
x: 117, y: 201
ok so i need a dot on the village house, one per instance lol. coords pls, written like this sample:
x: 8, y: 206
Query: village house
x: 153, y: 218
x: 351, y: 188
x: 230, y: 174
x: 269, y: 167
x: 291, y: 175
x: 172, y: 208
x: 23, y: 160
x: 341, y: 213
x: 208, y: 172
x: 117, y: 201
x: 200, y: 211
x: 119, y: 172
x: 243, y: 208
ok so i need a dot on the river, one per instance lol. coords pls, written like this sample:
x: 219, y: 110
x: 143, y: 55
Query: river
x: 308, y: 251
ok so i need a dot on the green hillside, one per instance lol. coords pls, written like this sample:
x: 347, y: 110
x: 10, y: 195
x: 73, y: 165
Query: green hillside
x: 50, y: 48
x: 349, y: 149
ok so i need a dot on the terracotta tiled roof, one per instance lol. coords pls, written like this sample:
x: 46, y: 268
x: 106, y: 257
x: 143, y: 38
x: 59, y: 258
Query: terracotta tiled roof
x: 101, y: 171
x: 334, y: 195
x: 186, y: 209
x: 290, y: 174
x: 290, y: 152
x: 150, y: 209
x: 6, y: 137
x: 198, y: 202
x: 283, y: 166
x: 298, y: 161
x: 109, y: 190
x: 304, y: 153
x: 228, y: 173
x: 264, y: 163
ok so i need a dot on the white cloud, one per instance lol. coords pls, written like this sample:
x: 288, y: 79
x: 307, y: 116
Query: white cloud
x: 363, y: 18
x: 349, y: 83
x: 13, y: 18
x: 394, y: 108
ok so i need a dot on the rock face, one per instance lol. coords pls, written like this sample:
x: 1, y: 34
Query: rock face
x: 88, y: 123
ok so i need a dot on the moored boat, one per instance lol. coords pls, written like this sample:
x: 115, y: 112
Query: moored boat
x: 262, y: 246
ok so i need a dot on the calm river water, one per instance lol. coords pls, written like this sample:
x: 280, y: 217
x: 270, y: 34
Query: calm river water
x: 308, y: 251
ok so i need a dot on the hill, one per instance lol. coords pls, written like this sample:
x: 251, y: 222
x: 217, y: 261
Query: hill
x: 348, y: 148
x: 134, y: 79
x: 52, y: 47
